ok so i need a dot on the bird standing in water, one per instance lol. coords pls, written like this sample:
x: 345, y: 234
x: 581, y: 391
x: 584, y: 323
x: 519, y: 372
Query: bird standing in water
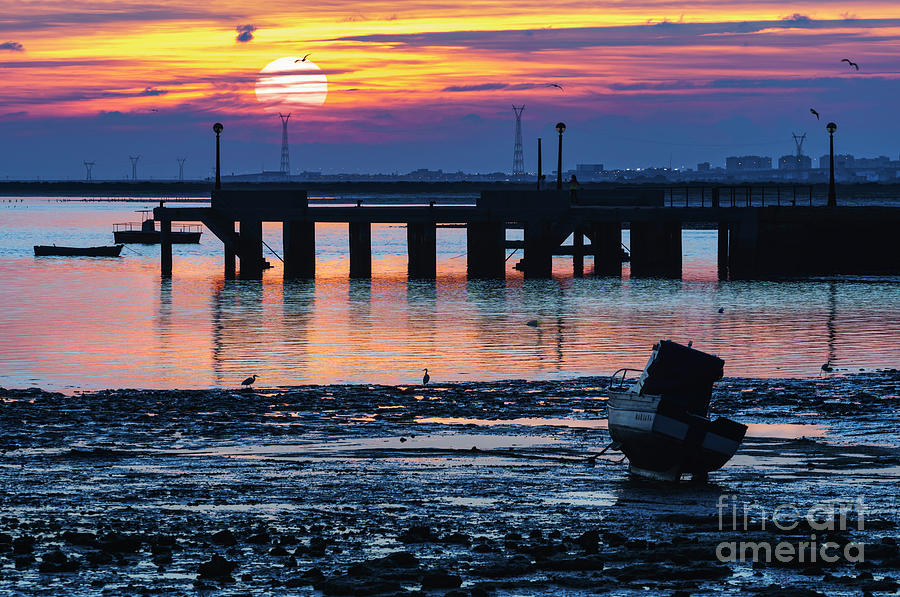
x: 425, y: 378
x: 827, y: 368
x: 249, y: 381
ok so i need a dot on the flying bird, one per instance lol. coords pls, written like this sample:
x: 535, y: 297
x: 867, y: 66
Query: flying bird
x: 249, y: 381
x: 850, y: 63
x: 557, y: 85
x: 816, y: 114
x: 303, y: 59
x: 425, y: 378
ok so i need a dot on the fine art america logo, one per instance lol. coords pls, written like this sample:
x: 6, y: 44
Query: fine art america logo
x: 805, y: 533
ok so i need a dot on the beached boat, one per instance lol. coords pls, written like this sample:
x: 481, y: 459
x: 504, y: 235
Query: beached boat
x: 53, y: 250
x: 659, y: 421
x: 146, y: 233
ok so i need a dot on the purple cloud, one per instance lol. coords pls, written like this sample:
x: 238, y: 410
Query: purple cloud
x: 13, y: 46
x: 245, y: 33
x: 153, y: 91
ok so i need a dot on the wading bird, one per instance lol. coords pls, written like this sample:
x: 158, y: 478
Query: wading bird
x: 814, y: 113
x: 425, y: 378
x: 249, y: 381
x: 827, y: 368
x: 303, y: 59
x: 850, y: 63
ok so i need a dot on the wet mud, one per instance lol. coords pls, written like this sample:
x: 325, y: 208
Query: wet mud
x: 462, y: 489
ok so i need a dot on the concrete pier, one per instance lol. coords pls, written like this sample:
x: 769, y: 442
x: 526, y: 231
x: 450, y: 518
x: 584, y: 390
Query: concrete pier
x: 606, y: 246
x: 754, y: 242
x: 486, y: 250
x: 299, y: 249
x: 422, y: 249
x: 360, y: 249
x: 656, y: 249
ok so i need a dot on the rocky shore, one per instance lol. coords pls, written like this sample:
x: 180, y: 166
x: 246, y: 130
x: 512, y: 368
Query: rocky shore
x: 366, y: 490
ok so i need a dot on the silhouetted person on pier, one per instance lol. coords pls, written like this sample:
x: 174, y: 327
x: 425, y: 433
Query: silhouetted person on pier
x: 573, y: 188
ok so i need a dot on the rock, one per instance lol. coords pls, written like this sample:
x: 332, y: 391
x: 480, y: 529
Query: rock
x: 259, y: 538
x: 399, y: 559
x: 614, y: 539
x: 22, y: 545
x: 225, y: 538
x: 440, y: 579
x: 417, y: 534
x: 118, y: 543
x: 80, y: 539
x: 456, y: 539
x: 278, y: 551
x: 589, y: 541
x: 56, y: 561
x: 217, y: 568
x: 24, y: 561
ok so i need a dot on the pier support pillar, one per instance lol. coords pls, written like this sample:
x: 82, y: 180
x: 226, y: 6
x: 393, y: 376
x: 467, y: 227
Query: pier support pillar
x: 606, y: 245
x: 538, y: 261
x: 656, y: 249
x: 422, y: 247
x: 578, y: 252
x: 743, y: 241
x: 250, y: 251
x: 360, y: 250
x: 722, y: 252
x: 230, y: 266
x: 485, y: 250
x: 165, y: 248
x: 299, y: 249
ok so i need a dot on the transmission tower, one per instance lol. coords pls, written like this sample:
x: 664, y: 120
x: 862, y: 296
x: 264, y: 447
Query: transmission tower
x: 89, y: 166
x: 285, y: 155
x: 518, y: 154
x: 134, y: 160
x: 181, y: 168
x: 798, y: 141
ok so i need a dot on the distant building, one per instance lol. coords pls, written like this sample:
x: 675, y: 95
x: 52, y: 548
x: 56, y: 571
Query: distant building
x: 589, y: 171
x: 841, y: 161
x: 704, y: 167
x: 794, y: 162
x: 748, y: 162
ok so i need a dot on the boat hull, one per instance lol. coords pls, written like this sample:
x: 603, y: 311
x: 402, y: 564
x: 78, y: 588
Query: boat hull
x: 53, y: 251
x: 663, y: 441
x: 153, y: 237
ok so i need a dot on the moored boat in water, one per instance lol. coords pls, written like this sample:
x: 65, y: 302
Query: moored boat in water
x: 54, y: 251
x: 660, y: 420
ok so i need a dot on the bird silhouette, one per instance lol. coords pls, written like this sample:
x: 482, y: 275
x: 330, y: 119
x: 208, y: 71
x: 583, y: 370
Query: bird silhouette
x: 557, y: 85
x: 425, y: 378
x: 303, y: 59
x: 850, y: 63
x: 721, y: 309
x: 249, y: 381
x: 532, y: 323
x: 827, y: 368
x: 813, y: 112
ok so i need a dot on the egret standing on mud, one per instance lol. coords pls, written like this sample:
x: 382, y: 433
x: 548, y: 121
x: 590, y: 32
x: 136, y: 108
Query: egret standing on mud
x: 425, y: 378
x: 249, y: 381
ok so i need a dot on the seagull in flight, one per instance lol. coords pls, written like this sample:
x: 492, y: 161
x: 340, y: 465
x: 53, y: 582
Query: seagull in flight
x: 850, y: 63
x: 557, y: 85
x: 816, y: 114
x: 308, y: 55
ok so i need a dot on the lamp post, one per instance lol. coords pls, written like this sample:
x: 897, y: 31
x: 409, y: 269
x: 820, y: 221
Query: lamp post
x: 217, y: 127
x: 832, y: 196
x: 560, y: 128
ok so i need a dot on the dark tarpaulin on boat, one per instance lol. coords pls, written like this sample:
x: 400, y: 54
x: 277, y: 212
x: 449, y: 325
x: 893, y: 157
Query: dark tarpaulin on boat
x: 684, y: 374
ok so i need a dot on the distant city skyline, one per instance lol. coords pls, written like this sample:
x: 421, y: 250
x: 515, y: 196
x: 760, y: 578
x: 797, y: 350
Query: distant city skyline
x: 377, y: 88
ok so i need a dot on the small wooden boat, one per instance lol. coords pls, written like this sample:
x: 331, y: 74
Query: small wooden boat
x: 660, y: 420
x: 53, y: 250
x: 146, y: 233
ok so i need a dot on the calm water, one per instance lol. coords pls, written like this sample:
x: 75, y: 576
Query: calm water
x: 98, y: 323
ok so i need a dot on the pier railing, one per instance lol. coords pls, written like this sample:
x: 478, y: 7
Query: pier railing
x: 745, y: 195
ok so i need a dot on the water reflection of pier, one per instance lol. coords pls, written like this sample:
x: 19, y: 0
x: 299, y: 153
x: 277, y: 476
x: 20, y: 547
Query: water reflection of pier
x: 754, y: 241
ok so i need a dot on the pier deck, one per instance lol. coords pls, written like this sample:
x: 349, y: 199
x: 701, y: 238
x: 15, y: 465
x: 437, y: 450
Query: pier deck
x: 753, y: 242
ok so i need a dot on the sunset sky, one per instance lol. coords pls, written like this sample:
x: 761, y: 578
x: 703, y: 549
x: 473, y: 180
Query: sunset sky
x: 430, y: 84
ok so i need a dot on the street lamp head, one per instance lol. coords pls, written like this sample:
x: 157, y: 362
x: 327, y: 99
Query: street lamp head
x: 831, y: 127
x: 217, y: 127
x: 561, y: 127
